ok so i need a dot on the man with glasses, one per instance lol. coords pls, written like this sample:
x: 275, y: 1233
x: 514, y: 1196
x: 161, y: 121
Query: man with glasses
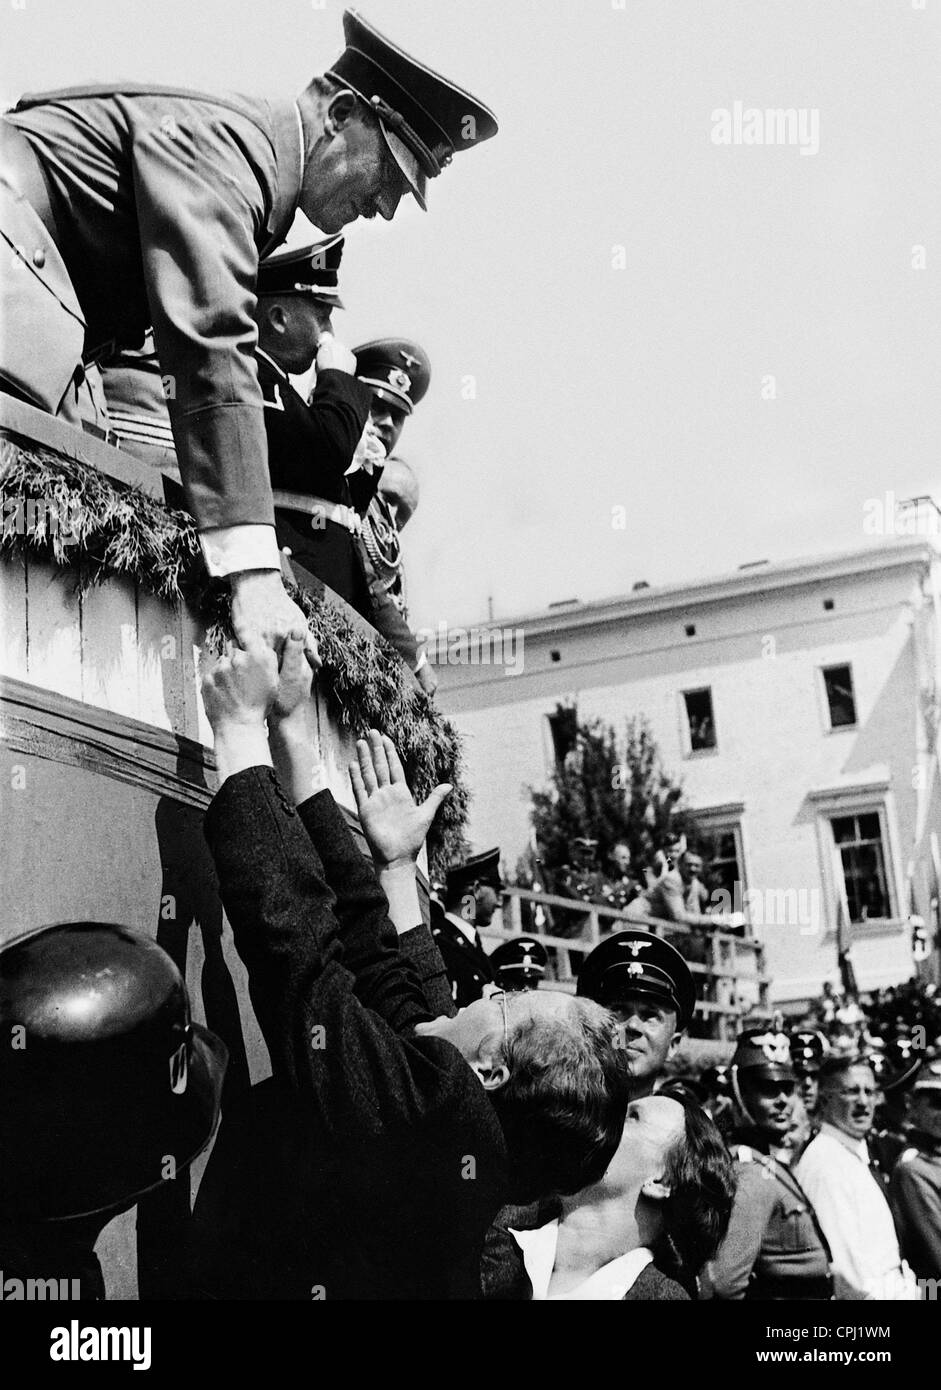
x: 915, y: 1191
x: 835, y: 1172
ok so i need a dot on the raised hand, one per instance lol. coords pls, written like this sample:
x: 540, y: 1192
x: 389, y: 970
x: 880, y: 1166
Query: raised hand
x: 394, y: 826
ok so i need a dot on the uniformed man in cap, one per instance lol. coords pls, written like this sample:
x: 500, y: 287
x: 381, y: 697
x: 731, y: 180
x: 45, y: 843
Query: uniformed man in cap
x: 312, y: 445
x: 897, y: 1067
x: 398, y: 374
x: 915, y: 1191
x: 647, y: 985
x: 808, y: 1049
x: 519, y: 964
x: 130, y: 206
x: 471, y: 895
x: 775, y: 1247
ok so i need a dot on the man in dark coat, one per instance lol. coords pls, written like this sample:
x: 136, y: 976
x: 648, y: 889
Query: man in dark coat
x: 133, y: 206
x: 373, y: 1160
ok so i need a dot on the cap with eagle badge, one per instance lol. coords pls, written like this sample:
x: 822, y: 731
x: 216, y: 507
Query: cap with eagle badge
x: 312, y: 270
x: 765, y: 1051
x: 897, y: 1065
x: 425, y: 118
x: 398, y: 371
x: 635, y: 962
x: 479, y: 868
x: 519, y: 963
x: 808, y: 1049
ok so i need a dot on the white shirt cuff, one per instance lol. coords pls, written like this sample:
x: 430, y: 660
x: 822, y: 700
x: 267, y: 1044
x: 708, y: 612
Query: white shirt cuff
x: 232, y: 549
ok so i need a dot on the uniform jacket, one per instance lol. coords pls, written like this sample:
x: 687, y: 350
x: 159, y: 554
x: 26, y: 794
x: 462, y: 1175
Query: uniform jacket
x: 345, y: 1174
x: 310, y: 447
x: 161, y: 202
x: 503, y: 1273
x: 774, y: 1247
x: 915, y: 1198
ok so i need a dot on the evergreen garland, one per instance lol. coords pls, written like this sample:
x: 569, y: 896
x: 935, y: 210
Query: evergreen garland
x: 86, y: 523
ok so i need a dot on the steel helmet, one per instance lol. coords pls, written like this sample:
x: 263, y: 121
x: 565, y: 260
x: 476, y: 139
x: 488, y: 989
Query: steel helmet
x: 107, y: 1087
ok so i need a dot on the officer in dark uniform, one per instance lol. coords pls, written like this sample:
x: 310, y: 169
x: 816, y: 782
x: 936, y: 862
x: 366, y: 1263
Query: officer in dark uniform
x: 648, y: 986
x: 109, y: 1090
x: 519, y: 964
x: 140, y: 206
x: 472, y: 892
x: 896, y: 1068
x: 915, y: 1190
x: 397, y: 372
x: 808, y: 1049
x: 774, y: 1247
x: 311, y: 445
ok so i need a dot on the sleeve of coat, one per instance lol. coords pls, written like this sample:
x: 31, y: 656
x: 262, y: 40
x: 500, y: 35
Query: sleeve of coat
x: 356, y: 1076
x: 200, y: 208
x: 727, y: 1275
x: 916, y: 1206
x: 339, y: 407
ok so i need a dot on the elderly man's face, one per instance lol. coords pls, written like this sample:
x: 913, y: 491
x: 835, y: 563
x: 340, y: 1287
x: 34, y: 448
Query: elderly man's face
x: 848, y: 1101
x: 351, y: 173
x: 479, y: 1031
x: 621, y: 859
x: 649, y: 1035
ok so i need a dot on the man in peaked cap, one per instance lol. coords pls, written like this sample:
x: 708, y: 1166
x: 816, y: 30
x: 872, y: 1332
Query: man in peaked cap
x: 896, y: 1066
x: 472, y: 892
x: 915, y: 1191
x: 398, y: 373
x: 808, y: 1049
x: 774, y: 1247
x: 647, y: 985
x: 132, y: 202
x: 311, y: 444
x: 519, y: 964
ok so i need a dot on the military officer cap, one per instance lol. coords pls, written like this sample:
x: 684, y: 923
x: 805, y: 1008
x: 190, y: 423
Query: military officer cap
x: 479, y: 868
x: 808, y: 1049
x: 519, y: 963
x: 313, y: 271
x: 764, y: 1051
x: 635, y: 962
x: 425, y: 118
x: 897, y: 1065
x: 929, y: 1078
x: 397, y: 370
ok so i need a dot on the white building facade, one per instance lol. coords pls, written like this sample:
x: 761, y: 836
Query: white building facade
x: 798, y: 705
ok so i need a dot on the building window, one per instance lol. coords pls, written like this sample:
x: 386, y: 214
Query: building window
x: 841, y: 702
x: 861, y: 846
x: 563, y: 731
x: 702, y: 726
x: 721, y: 850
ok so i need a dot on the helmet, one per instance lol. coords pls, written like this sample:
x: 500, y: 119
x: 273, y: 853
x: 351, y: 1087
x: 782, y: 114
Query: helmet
x: 108, y: 1086
x: 808, y: 1050
x: 763, y: 1052
x: 519, y: 963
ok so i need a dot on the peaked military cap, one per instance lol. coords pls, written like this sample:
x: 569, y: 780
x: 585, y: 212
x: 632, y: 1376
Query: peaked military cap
x: 898, y: 1064
x: 636, y: 962
x: 397, y: 370
x: 766, y: 1051
x: 519, y: 963
x: 929, y: 1078
x: 312, y: 270
x: 425, y: 118
x: 479, y: 868
x: 808, y: 1049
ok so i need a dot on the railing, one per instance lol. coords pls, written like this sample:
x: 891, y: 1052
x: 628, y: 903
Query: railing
x: 725, y: 990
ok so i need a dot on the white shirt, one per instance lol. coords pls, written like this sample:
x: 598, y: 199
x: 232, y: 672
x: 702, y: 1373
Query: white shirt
x: 855, y: 1216
x: 611, y: 1281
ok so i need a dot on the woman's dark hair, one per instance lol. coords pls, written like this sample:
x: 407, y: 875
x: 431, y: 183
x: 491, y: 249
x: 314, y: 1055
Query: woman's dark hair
x: 702, y: 1188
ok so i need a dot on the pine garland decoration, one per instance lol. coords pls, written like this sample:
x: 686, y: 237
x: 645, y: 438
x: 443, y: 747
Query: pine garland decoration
x: 86, y: 523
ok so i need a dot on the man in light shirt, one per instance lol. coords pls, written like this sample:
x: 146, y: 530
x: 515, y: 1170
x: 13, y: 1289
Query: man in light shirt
x: 834, y: 1171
